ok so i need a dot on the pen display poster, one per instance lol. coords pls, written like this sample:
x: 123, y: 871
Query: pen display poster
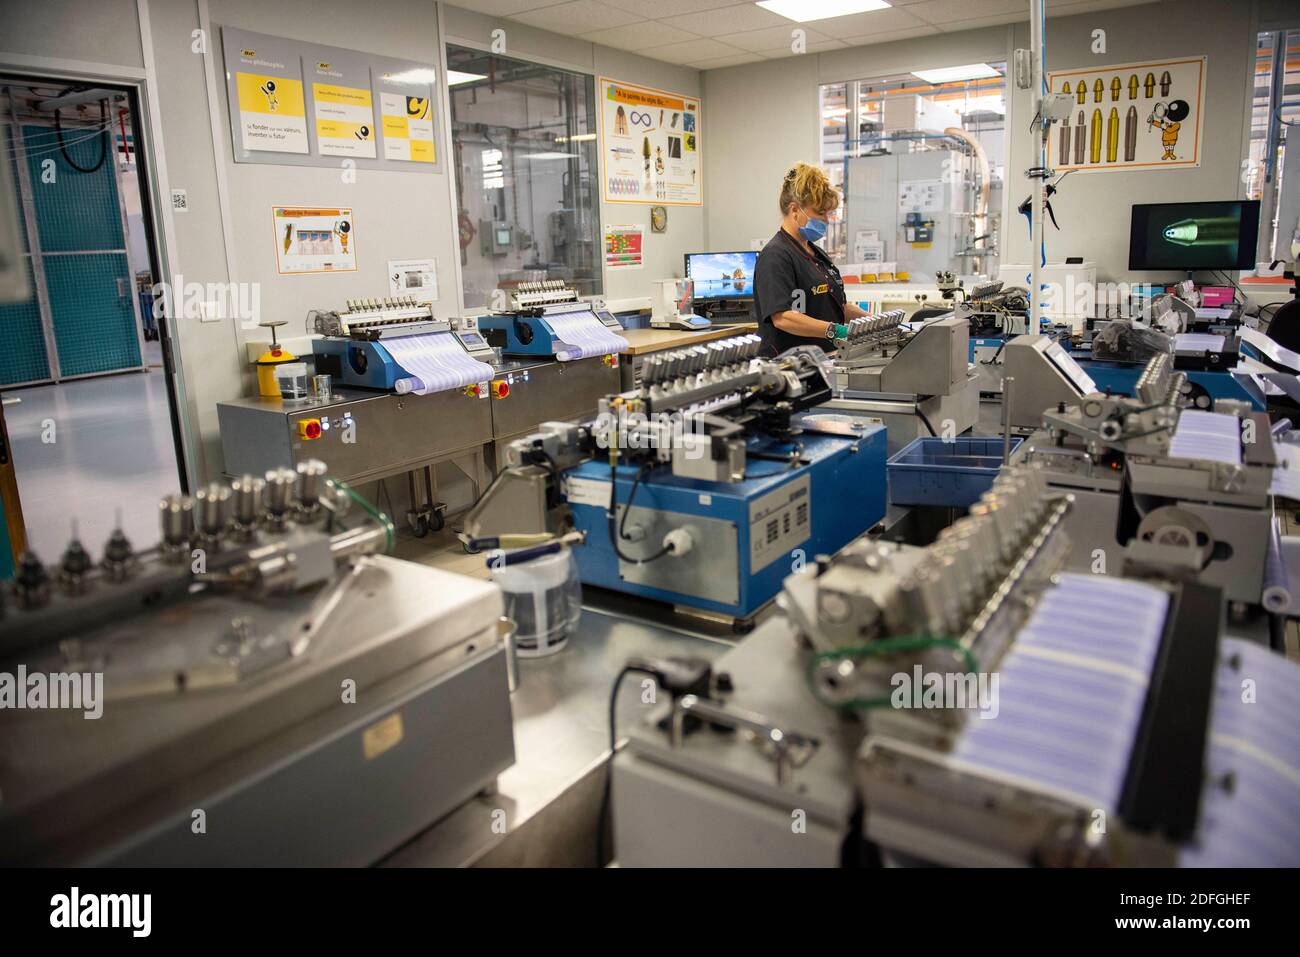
x: 649, y: 146
x: 1132, y: 116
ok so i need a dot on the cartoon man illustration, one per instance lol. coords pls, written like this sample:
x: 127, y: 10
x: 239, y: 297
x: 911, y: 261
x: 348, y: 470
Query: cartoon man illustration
x: 1169, y: 119
x: 268, y: 90
x: 341, y: 230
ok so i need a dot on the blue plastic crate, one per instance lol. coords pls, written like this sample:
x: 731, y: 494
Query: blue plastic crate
x: 953, y: 472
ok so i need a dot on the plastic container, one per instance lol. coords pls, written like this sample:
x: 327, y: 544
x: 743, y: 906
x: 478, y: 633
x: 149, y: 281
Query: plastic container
x: 292, y: 380
x: 951, y: 472
x: 544, y: 598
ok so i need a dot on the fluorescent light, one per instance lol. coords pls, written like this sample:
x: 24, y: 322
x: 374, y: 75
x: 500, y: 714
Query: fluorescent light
x: 455, y: 77
x: 576, y: 138
x: 951, y: 74
x: 550, y: 156
x: 417, y: 75
x: 801, y: 11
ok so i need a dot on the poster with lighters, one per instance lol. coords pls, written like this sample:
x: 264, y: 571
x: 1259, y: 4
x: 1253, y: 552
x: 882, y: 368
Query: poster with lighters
x: 314, y: 240
x: 649, y: 145
x: 1134, y: 116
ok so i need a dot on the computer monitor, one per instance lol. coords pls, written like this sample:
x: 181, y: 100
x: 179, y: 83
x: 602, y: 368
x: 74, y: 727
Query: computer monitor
x: 722, y: 275
x: 1193, y: 236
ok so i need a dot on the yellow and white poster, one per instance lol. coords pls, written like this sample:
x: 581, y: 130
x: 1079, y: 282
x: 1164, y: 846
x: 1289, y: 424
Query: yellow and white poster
x: 649, y: 146
x: 272, y: 114
x: 311, y: 239
x: 1132, y: 116
x: 408, y: 126
x: 343, y: 107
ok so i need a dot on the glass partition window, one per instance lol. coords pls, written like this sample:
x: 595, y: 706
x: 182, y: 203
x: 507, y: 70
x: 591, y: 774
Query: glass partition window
x: 920, y: 167
x: 524, y: 150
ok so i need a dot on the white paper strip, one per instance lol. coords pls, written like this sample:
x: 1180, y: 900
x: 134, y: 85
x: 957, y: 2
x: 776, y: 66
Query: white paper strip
x: 436, y: 362
x: 1208, y: 436
x: 582, y: 336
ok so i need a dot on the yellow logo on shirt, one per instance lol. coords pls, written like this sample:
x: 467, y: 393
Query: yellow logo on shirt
x: 821, y: 290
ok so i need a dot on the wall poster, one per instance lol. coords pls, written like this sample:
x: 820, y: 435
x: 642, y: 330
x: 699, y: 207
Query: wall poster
x: 304, y: 104
x: 1131, y: 116
x: 649, y: 146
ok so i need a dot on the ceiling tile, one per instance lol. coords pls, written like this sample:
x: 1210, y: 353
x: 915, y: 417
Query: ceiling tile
x: 732, y: 19
x: 691, y: 51
x: 505, y: 8
x: 660, y: 9
x: 944, y: 13
x: 821, y: 46
x: 578, y: 16
x: 770, y: 40
x: 889, y: 35
x: 639, y: 36
x: 958, y: 26
x: 860, y: 24
x: 717, y: 63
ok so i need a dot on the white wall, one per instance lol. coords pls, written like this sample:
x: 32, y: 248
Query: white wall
x: 1094, y: 208
x: 766, y: 116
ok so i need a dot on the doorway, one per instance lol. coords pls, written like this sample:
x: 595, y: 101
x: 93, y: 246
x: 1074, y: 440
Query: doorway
x: 86, y: 378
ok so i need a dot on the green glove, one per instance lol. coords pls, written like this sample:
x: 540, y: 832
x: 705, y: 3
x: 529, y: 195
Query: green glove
x: 841, y: 330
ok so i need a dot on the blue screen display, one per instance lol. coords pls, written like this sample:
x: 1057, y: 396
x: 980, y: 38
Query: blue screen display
x: 722, y: 275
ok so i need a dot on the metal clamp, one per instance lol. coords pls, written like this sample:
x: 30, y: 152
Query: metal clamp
x: 791, y: 749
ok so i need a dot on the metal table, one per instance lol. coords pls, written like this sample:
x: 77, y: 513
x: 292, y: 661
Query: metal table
x: 545, y: 809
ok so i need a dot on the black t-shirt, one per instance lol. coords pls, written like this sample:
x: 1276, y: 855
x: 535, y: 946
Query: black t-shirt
x: 786, y: 273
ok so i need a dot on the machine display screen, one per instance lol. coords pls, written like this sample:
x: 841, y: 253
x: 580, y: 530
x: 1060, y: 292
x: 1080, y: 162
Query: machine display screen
x: 722, y: 275
x: 471, y: 338
x: 1193, y: 235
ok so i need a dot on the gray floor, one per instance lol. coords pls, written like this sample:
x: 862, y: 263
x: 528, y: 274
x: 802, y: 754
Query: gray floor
x: 111, y: 452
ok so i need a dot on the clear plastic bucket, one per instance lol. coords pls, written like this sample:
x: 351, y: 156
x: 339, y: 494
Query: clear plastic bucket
x: 544, y: 597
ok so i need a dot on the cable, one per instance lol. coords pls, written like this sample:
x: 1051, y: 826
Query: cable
x: 103, y: 143
x: 921, y: 416
x: 613, y: 535
x: 378, y: 516
x: 883, y: 646
x: 603, y: 819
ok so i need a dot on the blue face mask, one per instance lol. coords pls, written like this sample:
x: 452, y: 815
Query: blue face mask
x: 813, y: 230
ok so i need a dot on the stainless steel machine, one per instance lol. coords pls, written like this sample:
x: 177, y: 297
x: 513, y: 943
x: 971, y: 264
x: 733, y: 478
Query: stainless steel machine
x: 972, y: 704
x: 1147, y: 469
x: 261, y: 687
x: 915, y: 377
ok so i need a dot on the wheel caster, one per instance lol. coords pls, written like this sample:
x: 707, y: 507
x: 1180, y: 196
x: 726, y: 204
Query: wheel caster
x: 419, y: 524
x: 436, y: 522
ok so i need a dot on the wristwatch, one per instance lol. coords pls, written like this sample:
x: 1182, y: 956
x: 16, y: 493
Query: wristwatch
x: 830, y: 330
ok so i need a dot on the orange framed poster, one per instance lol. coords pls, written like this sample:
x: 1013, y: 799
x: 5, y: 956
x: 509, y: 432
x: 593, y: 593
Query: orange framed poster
x: 1130, y: 116
x: 649, y: 145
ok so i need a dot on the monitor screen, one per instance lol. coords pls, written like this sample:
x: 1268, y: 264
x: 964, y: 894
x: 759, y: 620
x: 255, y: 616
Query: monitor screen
x: 1194, y: 235
x: 722, y: 275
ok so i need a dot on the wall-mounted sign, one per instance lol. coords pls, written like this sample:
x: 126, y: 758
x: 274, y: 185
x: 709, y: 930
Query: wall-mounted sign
x: 624, y: 247
x: 303, y: 104
x: 314, y: 239
x: 1132, y: 116
x: 417, y: 278
x: 649, y: 146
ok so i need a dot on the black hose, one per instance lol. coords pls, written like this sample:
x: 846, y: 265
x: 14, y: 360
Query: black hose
x: 103, y: 141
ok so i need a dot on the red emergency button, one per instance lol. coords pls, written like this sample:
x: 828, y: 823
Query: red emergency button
x: 473, y: 391
x: 611, y: 360
x: 500, y: 389
x: 309, y: 428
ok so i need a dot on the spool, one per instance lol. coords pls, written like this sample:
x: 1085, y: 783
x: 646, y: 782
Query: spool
x: 544, y: 598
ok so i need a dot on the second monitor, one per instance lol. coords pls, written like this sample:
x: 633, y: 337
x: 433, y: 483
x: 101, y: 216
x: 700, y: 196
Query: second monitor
x: 723, y: 276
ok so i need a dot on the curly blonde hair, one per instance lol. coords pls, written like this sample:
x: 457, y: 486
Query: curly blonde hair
x: 808, y: 186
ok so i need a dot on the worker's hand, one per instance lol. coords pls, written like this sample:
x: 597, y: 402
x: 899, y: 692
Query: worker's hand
x: 841, y: 330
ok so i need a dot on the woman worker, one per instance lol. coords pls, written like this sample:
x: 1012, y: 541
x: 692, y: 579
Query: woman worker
x: 798, y: 294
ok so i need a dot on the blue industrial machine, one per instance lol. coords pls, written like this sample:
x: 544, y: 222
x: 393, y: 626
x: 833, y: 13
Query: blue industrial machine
x: 705, y: 487
x: 548, y: 320
x: 397, y: 344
